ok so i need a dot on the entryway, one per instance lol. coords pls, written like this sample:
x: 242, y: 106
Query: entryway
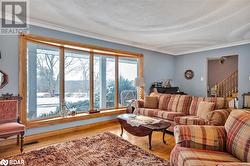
x: 223, y: 77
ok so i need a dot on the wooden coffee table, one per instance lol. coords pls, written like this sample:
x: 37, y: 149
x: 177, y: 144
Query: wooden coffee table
x: 143, y: 129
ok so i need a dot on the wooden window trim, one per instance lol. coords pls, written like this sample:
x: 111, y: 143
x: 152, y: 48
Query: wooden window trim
x: 62, y: 83
x: 63, y: 45
x: 79, y: 46
x: 91, y: 79
x: 116, y: 82
x: 141, y: 73
x: 23, y: 78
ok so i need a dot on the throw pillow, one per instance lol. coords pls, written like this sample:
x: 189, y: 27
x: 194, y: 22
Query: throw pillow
x: 163, y: 101
x: 151, y: 102
x: 204, y: 108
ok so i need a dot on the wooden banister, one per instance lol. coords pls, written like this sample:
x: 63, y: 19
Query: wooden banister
x: 227, y: 86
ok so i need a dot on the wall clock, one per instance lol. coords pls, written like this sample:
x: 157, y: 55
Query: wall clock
x: 189, y: 74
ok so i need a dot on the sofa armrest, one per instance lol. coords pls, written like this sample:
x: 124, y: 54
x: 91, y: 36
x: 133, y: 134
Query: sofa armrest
x: 217, y: 117
x: 139, y: 103
x: 201, y: 137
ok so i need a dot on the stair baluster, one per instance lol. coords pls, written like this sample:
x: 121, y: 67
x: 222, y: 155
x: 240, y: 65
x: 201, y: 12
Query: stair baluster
x: 228, y: 86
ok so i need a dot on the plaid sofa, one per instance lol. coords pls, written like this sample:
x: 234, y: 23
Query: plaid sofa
x: 214, y: 145
x: 182, y: 110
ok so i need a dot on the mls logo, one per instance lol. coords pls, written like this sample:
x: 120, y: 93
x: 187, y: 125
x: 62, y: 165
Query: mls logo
x: 14, y: 16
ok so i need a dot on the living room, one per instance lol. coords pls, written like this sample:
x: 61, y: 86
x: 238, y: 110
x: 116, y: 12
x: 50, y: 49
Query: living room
x: 125, y: 82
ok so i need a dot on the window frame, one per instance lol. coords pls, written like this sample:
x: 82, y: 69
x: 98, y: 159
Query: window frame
x: 75, y: 46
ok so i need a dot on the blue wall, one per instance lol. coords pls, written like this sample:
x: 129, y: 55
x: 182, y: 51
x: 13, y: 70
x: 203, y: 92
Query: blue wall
x: 156, y: 65
x: 9, y: 62
x: 198, y: 63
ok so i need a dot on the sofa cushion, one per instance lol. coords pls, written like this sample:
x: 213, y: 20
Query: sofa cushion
x: 189, y: 120
x: 191, y: 156
x: 219, y: 101
x: 163, y: 101
x: 184, y: 104
x: 158, y: 113
x: 151, y: 102
x: 172, y: 105
x: 146, y: 112
x: 168, y: 115
x: 194, y: 105
x: 238, y: 141
x: 204, y: 108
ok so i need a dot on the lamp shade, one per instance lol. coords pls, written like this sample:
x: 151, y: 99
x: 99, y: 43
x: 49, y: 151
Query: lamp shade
x: 139, y: 81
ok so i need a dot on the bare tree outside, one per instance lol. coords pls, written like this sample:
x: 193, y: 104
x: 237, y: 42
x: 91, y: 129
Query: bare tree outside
x: 46, y: 63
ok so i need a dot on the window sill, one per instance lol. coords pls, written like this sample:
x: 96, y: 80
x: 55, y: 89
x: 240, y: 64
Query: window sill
x: 81, y: 116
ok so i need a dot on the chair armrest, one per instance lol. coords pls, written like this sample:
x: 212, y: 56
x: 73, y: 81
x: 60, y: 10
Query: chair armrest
x: 217, y: 117
x: 139, y: 104
x: 201, y: 137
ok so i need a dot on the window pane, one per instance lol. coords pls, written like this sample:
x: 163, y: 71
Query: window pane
x: 104, y: 82
x: 76, y: 80
x: 128, y: 71
x: 43, y: 81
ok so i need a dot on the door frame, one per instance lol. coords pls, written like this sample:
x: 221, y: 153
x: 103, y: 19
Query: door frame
x: 217, y: 58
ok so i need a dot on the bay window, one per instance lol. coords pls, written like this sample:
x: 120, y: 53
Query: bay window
x: 58, y: 75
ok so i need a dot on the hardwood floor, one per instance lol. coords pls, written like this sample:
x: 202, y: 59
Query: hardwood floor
x: 158, y: 147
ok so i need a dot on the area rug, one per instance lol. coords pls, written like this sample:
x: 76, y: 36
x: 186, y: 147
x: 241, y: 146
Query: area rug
x: 104, y: 149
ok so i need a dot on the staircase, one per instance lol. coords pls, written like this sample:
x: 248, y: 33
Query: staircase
x: 228, y: 87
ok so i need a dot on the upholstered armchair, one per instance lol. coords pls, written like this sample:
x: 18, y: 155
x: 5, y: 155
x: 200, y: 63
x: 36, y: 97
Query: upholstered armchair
x: 214, y: 145
x: 9, y: 119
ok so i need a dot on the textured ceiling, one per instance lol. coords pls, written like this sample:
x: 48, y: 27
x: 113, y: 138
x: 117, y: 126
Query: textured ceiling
x: 169, y: 26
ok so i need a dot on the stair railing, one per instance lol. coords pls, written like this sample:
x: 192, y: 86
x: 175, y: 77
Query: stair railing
x: 228, y: 86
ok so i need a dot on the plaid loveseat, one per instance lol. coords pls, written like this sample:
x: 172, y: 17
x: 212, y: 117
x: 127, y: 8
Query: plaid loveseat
x: 214, y: 145
x: 182, y: 110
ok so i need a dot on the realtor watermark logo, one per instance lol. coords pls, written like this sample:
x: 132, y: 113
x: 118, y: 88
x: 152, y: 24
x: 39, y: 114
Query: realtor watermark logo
x: 11, y: 162
x: 14, y: 17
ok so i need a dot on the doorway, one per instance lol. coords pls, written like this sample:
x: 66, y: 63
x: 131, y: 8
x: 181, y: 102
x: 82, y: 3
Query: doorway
x: 222, y: 80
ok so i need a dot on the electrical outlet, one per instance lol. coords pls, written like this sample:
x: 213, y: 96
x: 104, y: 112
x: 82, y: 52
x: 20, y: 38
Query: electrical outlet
x: 249, y: 78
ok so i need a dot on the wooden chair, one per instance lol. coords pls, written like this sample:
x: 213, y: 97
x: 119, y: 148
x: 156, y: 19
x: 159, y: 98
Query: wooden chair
x: 9, y: 119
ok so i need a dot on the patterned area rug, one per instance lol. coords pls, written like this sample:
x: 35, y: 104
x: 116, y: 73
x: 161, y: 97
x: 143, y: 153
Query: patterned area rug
x: 104, y: 149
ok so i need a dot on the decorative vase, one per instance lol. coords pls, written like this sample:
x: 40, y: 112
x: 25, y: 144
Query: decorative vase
x: 168, y: 85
